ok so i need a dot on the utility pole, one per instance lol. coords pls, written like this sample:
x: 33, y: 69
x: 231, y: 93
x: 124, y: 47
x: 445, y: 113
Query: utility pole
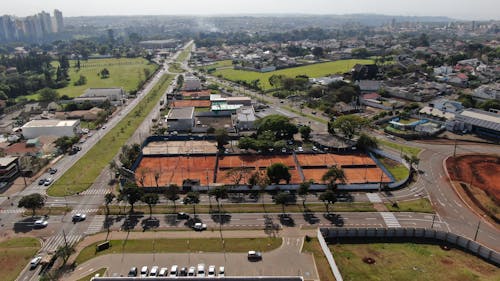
x: 477, y: 230
x: 433, y: 219
x: 455, y: 148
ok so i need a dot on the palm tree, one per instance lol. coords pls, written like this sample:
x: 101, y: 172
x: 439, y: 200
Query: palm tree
x: 282, y: 199
x: 108, y: 198
x: 219, y: 192
x: 328, y: 197
x: 332, y: 175
x: 192, y: 198
x: 172, y: 194
x: 303, y: 191
x: 65, y: 252
x: 151, y: 199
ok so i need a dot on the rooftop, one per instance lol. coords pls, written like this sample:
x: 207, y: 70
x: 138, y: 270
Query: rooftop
x: 181, y: 113
x: 6, y: 161
x: 50, y: 123
x: 102, y: 92
x: 480, y: 118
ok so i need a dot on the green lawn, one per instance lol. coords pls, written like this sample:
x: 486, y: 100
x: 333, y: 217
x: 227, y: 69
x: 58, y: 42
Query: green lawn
x: 314, y: 70
x: 15, y: 254
x: 214, y: 245
x: 410, y: 262
x: 184, y: 54
x: 397, y: 170
x: 322, y: 265
x: 218, y: 64
x: 88, y: 277
x: 127, y: 73
x: 81, y: 176
x: 422, y: 205
x: 400, y: 147
x: 407, y: 121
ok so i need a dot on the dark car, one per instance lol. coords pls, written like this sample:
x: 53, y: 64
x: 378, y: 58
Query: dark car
x: 132, y: 272
x: 52, y: 171
x: 183, y: 272
x: 41, y: 182
x: 254, y: 256
x: 182, y: 216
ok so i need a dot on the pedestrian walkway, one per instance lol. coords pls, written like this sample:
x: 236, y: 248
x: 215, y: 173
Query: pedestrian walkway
x: 96, y: 225
x: 374, y: 198
x: 14, y: 211
x: 389, y: 219
x: 96, y: 191
x: 55, y: 242
x: 84, y: 211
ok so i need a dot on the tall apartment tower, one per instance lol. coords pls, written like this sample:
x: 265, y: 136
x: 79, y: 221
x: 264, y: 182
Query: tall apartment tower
x: 58, y: 22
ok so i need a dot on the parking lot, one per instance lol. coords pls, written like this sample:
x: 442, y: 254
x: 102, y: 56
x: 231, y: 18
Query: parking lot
x: 236, y: 264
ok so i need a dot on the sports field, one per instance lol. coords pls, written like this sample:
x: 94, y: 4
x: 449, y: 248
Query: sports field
x: 126, y: 73
x: 180, y: 147
x: 190, y: 103
x: 314, y: 70
x: 353, y: 175
x: 329, y: 160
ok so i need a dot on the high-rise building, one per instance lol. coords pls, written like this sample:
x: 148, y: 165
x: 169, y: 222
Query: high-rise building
x: 45, y: 22
x: 58, y: 22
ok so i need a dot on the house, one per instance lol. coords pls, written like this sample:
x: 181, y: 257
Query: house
x: 97, y: 96
x: 180, y: 119
x: 367, y: 86
x: 60, y: 128
x: 9, y: 168
x: 87, y: 115
x: 447, y: 105
x: 244, y: 118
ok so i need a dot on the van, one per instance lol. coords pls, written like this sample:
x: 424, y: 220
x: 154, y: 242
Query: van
x: 154, y: 271
x: 173, y: 271
x: 201, y: 270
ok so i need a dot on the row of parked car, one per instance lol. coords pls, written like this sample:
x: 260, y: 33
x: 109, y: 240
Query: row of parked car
x: 175, y: 271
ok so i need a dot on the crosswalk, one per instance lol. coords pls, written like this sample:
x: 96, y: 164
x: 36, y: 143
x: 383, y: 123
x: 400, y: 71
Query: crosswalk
x: 84, y: 211
x: 389, y: 219
x: 14, y: 211
x: 96, y: 225
x: 55, y: 242
x: 374, y: 198
x: 99, y: 191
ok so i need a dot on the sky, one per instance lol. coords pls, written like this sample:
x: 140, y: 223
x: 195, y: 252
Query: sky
x: 457, y: 9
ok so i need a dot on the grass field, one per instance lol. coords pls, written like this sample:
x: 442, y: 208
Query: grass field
x: 314, y: 70
x: 422, y: 205
x: 88, y: 277
x: 214, y: 245
x: 127, y: 73
x: 176, y: 68
x: 184, y: 54
x: 397, y: 170
x: 15, y: 254
x: 312, y: 117
x: 408, y: 261
x: 324, y: 271
x: 79, y: 177
x: 218, y: 64
x: 248, y: 208
x: 399, y: 147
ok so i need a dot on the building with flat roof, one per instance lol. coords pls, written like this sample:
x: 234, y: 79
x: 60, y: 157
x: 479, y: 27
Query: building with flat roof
x: 160, y: 44
x: 245, y: 118
x: 9, y: 168
x: 180, y: 119
x: 478, y: 121
x: 59, y: 128
x: 97, y: 96
x: 191, y: 83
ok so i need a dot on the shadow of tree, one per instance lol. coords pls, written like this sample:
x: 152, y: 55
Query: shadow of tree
x: 149, y: 223
x: 286, y: 220
x: 221, y: 218
x: 24, y: 225
x: 334, y: 219
x: 310, y: 217
x: 131, y: 221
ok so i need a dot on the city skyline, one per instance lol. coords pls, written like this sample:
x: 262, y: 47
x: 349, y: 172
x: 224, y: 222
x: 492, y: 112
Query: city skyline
x: 466, y: 10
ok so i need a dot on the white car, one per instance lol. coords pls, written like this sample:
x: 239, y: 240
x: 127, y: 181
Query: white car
x: 211, y: 271
x: 40, y: 223
x: 300, y: 149
x: 173, y: 271
x: 199, y: 226
x: 201, y: 270
x: 192, y: 271
x: 48, y: 181
x: 144, y: 271
x: 35, y: 261
x: 222, y: 272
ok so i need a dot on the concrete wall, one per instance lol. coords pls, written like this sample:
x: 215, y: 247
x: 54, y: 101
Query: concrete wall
x: 412, y: 233
x: 329, y: 257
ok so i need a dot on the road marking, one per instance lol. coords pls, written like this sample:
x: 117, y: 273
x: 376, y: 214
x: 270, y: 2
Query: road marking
x: 15, y: 211
x: 370, y: 218
x: 96, y: 225
x: 374, y: 198
x: 55, y: 242
x: 442, y: 204
x: 458, y: 204
x: 389, y: 219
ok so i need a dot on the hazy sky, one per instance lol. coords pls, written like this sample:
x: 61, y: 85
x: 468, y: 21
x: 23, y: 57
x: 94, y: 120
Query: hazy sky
x: 459, y: 9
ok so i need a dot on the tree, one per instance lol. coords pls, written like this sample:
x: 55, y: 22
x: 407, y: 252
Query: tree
x: 303, y: 191
x: 332, y: 175
x: 81, y: 81
x: 172, y: 193
x: 318, y: 52
x: 261, y: 180
x: 104, y: 73
x: 277, y: 172
x: 412, y: 160
x: 219, y: 192
x: 305, y: 132
x: 192, y: 198
x: 108, y: 198
x: 328, y: 197
x: 281, y: 199
x: 278, y: 124
x: 65, y: 252
x: 151, y: 199
x: 366, y: 142
x: 276, y: 81
x: 237, y: 174
x: 48, y: 94
x: 348, y: 125
x: 64, y: 143
x: 33, y: 202
x: 132, y: 194
x: 221, y: 137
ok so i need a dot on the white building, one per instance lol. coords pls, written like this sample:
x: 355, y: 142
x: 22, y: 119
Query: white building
x: 191, y: 83
x: 59, y: 128
x: 180, y: 119
x: 244, y: 119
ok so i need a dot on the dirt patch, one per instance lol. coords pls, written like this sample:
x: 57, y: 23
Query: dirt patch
x: 481, y: 171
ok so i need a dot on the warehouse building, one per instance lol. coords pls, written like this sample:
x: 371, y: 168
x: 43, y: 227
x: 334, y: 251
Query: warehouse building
x: 60, y: 128
x: 483, y: 123
x: 180, y: 119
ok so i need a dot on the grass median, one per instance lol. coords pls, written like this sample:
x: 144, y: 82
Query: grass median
x: 212, y: 245
x: 83, y: 173
x: 422, y: 205
x: 397, y: 170
x: 15, y: 254
x: 409, y: 261
x: 312, y: 246
x: 410, y: 150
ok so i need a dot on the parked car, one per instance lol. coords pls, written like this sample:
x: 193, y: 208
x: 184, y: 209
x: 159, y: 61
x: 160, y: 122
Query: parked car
x: 40, y: 223
x: 222, y: 271
x: 201, y: 270
x: 35, y: 261
x: 211, y: 271
x: 173, y: 270
x: 79, y: 217
x: 183, y: 272
x: 182, y: 216
x: 191, y: 271
x: 154, y: 271
x: 48, y: 181
x: 300, y: 149
x: 144, y: 271
x: 52, y: 171
x: 132, y: 272
x: 163, y: 272
x: 254, y: 255
x: 199, y: 226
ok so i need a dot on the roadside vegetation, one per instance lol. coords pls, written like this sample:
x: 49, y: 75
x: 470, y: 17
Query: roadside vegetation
x: 89, y: 276
x: 412, y: 151
x: 15, y: 254
x: 83, y: 173
x: 397, y: 170
x: 214, y: 245
x: 409, y: 261
x: 422, y: 205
